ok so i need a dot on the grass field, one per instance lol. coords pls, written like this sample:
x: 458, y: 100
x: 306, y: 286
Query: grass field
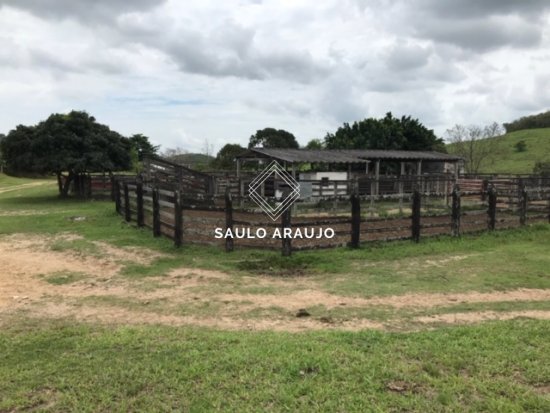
x: 97, y: 315
x: 507, y: 160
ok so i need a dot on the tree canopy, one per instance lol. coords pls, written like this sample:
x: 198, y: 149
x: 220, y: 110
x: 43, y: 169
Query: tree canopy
x: 143, y: 146
x: 273, y: 138
x: 403, y: 133
x: 74, y: 143
x: 315, y: 144
x: 541, y: 120
x: 226, y: 155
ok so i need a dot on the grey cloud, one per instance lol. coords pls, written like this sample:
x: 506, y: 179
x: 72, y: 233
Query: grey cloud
x: 453, y: 9
x: 482, y: 35
x: 95, y: 10
x: 406, y: 57
x: 225, y: 51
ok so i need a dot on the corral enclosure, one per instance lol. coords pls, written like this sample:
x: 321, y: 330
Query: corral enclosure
x: 183, y: 205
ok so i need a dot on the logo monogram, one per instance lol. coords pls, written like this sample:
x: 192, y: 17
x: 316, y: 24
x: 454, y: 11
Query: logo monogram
x: 276, y: 171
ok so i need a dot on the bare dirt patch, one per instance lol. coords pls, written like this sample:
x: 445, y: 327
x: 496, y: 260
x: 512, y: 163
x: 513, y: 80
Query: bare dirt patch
x: 478, y: 316
x: 189, y: 296
x: 26, y: 259
x: 23, y: 186
x: 125, y: 316
x: 307, y: 298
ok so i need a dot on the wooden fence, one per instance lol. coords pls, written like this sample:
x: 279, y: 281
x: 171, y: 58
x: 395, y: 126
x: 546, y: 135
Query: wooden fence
x: 186, y: 219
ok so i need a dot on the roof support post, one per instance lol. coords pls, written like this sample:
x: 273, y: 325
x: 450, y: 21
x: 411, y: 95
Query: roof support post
x: 401, y: 186
x: 377, y: 176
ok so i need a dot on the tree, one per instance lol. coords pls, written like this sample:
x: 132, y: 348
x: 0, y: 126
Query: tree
x: 2, y: 137
x: 225, y: 159
x: 388, y: 132
x: 71, y: 143
x: 475, y: 144
x: 142, y: 146
x: 170, y: 153
x: 540, y: 120
x: 315, y: 144
x: 273, y: 138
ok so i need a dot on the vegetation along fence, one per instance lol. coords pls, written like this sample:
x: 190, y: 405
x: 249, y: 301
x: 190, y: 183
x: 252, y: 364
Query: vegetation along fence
x: 473, y: 205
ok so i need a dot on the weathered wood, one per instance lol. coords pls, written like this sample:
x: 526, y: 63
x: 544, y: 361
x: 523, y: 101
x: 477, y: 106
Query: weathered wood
x: 492, y: 208
x: 415, y: 224
x: 127, y: 211
x: 117, y: 196
x: 112, y: 180
x: 228, y: 220
x: 355, y: 221
x: 455, y: 212
x: 156, y: 213
x: 139, y: 204
x: 285, y: 223
x: 178, y: 220
x: 523, y: 200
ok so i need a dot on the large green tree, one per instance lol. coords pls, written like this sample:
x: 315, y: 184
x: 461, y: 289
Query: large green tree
x: 225, y: 159
x: 67, y: 145
x: 403, y: 133
x: 273, y: 138
x: 143, y: 147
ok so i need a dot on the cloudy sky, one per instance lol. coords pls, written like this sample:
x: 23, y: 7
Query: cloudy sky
x: 190, y: 72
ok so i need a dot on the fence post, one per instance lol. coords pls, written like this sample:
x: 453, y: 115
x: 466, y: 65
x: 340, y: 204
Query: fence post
x: 416, y: 205
x: 484, y: 189
x: 228, y: 220
x: 117, y: 195
x: 355, y: 220
x: 492, y: 208
x: 113, y: 193
x: 139, y: 201
x: 127, y: 212
x: 88, y: 187
x: 523, y: 199
x: 455, y: 213
x: 156, y: 213
x: 285, y: 223
x: 178, y: 221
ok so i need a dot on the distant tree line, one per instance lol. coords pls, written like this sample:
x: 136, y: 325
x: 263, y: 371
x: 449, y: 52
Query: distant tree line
x: 541, y: 120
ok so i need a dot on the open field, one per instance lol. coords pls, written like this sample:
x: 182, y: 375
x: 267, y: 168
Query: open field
x: 97, y: 315
x: 509, y: 161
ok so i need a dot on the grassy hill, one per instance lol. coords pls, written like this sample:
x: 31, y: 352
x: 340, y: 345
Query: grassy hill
x: 508, y: 160
x: 192, y: 160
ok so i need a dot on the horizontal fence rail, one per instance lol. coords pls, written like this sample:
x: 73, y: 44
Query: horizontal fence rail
x: 472, y: 205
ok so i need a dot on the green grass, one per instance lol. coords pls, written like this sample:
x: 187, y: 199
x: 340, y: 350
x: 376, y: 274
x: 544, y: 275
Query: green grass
x: 374, y: 269
x: 64, y: 367
x: 508, y: 161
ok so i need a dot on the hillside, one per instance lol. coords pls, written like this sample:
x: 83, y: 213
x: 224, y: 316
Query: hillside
x: 192, y: 160
x: 508, y: 160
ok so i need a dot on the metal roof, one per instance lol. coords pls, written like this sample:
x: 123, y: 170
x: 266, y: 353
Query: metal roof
x: 345, y: 155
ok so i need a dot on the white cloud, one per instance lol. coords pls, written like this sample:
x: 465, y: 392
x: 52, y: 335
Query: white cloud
x: 184, y: 72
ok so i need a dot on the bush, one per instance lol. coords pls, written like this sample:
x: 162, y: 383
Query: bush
x: 520, y: 146
x: 542, y: 168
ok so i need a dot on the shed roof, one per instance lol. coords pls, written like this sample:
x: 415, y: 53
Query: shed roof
x: 345, y: 155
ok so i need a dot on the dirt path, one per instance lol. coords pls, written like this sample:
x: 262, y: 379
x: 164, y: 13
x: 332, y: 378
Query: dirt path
x: 23, y: 186
x: 57, y: 284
